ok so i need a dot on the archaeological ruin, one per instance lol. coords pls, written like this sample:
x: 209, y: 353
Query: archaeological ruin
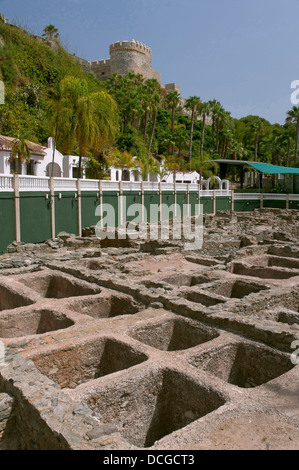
x: 123, y: 344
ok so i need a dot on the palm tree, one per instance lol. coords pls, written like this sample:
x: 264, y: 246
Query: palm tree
x: 156, y: 103
x: 148, y: 166
x: 20, y: 151
x: 122, y: 160
x: 173, y: 164
x: 204, y: 165
x: 50, y: 32
x: 192, y: 105
x: 259, y: 128
x: 151, y: 89
x: 89, y: 119
x: 181, y: 138
x: 220, y: 117
x: 288, y: 136
x: 204, y: 111
x: 293, y: 116
x: 172, y: 100
x: 214, y: 107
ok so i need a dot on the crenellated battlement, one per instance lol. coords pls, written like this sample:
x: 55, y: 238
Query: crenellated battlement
x: 125, y: 57
x: 130, y: 46
x: 103, y: 62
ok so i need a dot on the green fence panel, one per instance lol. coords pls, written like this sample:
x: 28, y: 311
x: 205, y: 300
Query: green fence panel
x: 151, y: 204
x: 66, y: 213
x: 168, y: 200
x: 223, y: 203
x: 208, y: 204
x: 294, y: 205
x: 181, y: 200
x: 89, y: 204
x: 7, y: 221
x: 35, y: 217
x: 193, y: 201
x: 274, y: 204
x: 129, y: 200
x: 246, y: 206
x: 111, y: 208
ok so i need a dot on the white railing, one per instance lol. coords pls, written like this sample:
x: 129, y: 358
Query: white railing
x: 151, y: 186
x: 131, y: 186
x: 110, y: 186
x: 184, y: 187
x: 89, y: 185
x: 37, y: 183
x: 65, y: 184
x: 6, y: 183
x: 247, y: 196
x: 192, y: 186
x: 276, y: 197
x: 34, y: 183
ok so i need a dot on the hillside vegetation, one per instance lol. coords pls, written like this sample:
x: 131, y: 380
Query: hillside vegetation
x: 31, y: 69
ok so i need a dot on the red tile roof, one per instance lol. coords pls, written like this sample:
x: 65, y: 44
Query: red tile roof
x: 6, y: 144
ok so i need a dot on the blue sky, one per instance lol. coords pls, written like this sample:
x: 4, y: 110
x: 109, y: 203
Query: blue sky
x: 243, y: 53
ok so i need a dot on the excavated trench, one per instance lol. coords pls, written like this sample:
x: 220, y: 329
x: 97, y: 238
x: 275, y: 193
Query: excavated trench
x: 243, y: 364
x: 57, y: 285
x: 75, y: 365
x: 174, y: 334
x: 32, y: 322
x: 107, y: 304
x: 10, y: 299
x: 154, y: 405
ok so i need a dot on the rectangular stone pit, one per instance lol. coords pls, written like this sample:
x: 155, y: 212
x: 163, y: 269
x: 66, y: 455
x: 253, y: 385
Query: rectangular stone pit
x: 70, y: 366
x: 24, y: 322
x: 284, y: 315
x: 263, y: 272
x: 153, y: 405
x: 275, y: 261
x: 235, y: 289
x: 10, y: 298
x: 107, y: 304
x: 188, y: 280
x: 201, y: 297
x: 245, y: 365
x: 53, y: 284
x: 173, y: 334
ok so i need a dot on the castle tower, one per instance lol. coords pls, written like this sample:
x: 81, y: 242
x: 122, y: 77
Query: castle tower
x: 126, y: 57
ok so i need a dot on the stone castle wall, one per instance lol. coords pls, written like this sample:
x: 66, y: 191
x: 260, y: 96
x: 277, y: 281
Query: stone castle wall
x: 126, y: 57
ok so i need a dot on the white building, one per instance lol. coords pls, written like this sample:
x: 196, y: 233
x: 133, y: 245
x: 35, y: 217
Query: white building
x: 71, y: 166
x: 41, y: 161
x: 188, y: 177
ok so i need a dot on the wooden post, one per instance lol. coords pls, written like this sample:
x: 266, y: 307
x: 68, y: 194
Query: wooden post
x: 16, y: 185
x: 214, y: 202
x: 101, y: 201
x: 261, y: 201
x: 52, y: 206
x: 142, y: 201
x: 79, y: 208
x: 160, y: 202
x: 120, y: 205
x: 199, y: 189
x: 233, y: 200
x: 175, y: 199
x: 288, y: 201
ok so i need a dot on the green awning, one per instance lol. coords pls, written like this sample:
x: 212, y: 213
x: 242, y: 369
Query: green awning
x: 273, y: 169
